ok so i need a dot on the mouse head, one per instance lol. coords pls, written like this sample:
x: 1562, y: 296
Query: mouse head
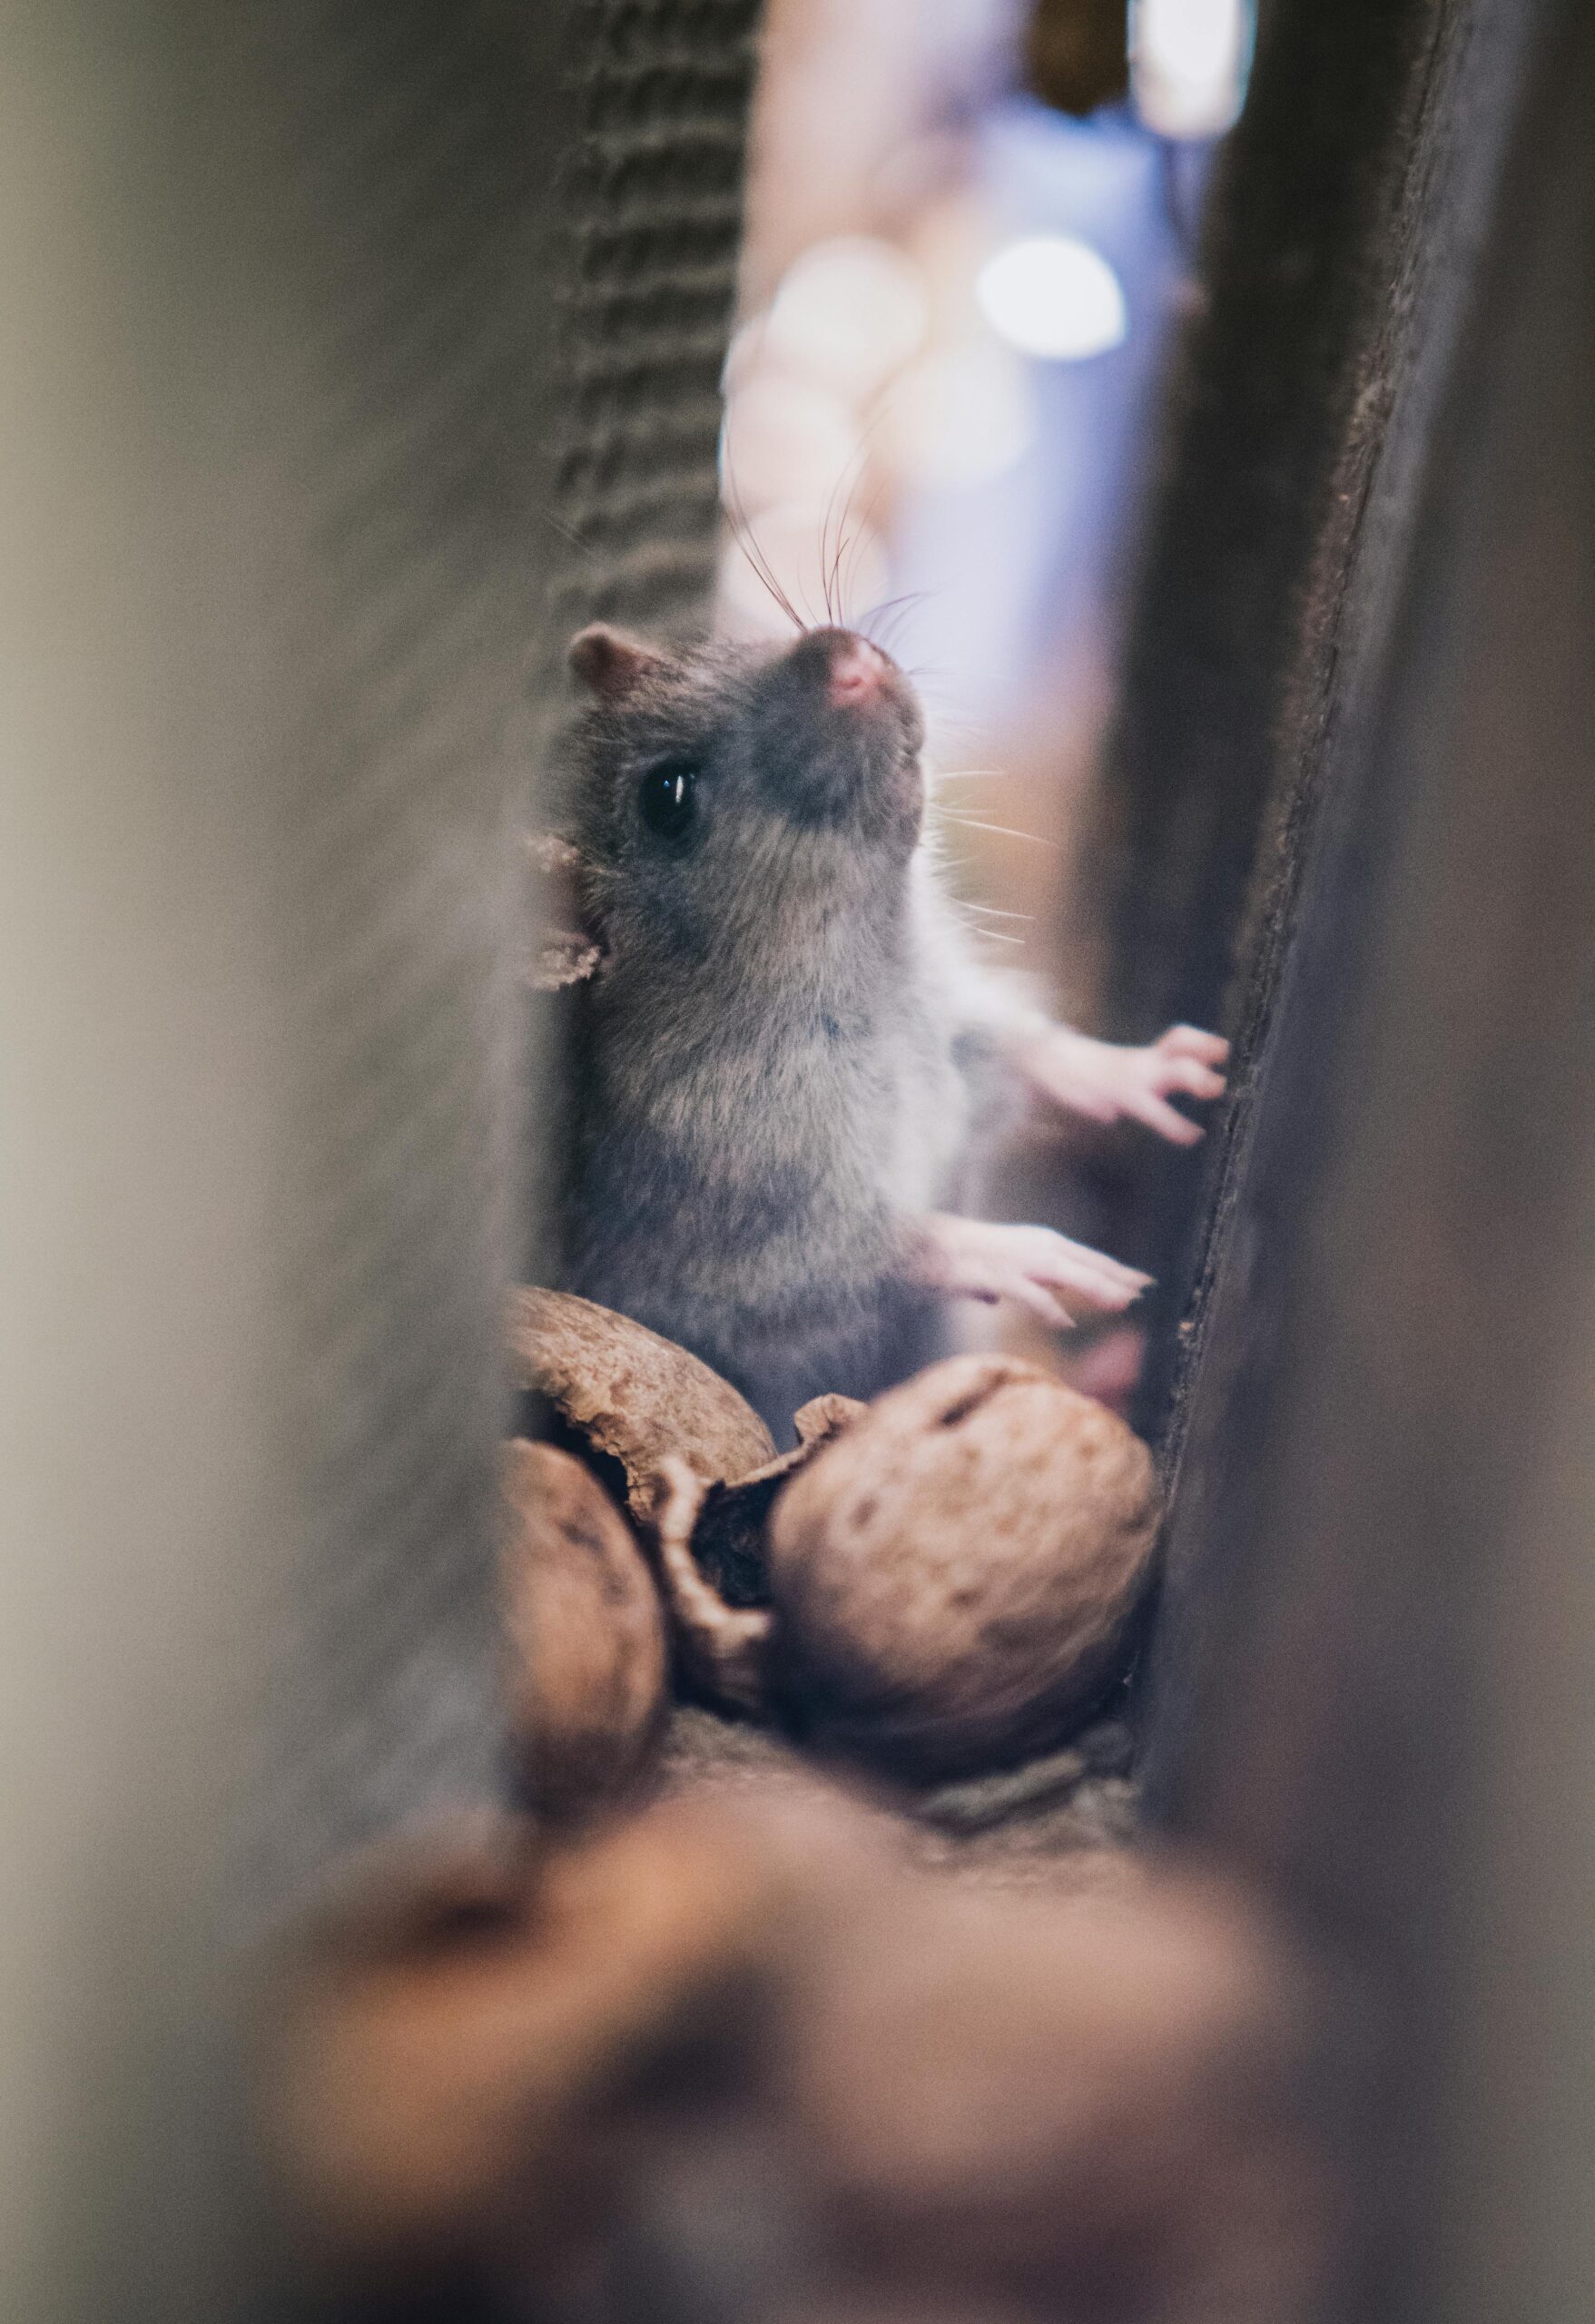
x: 726, y: 785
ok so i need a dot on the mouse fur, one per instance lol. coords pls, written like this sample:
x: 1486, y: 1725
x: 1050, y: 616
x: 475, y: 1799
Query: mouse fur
x: 765, y: 1079
x: 779, y: 1046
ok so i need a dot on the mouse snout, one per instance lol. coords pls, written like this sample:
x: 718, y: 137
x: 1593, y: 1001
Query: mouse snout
x: 857, y: 673
x: 844, y: 732
x: 853, y: 673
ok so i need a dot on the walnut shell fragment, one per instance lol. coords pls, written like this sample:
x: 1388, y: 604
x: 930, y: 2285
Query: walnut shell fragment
x: 632, y: 1395
x: 728, y: 1532
x: 950, y: 1577
x: 588, y: 1659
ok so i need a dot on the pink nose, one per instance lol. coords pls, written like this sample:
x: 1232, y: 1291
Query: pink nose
x: 856, y: 674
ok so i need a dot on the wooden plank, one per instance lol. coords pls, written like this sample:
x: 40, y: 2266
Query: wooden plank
x: 1339, y: 244
x: 1373, y: 1674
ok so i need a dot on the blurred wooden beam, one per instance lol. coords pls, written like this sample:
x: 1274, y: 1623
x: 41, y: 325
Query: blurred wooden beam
x: 1375, y: 1677
x: 269, y: 393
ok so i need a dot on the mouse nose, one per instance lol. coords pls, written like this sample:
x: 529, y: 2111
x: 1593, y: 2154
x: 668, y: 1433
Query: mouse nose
x: 849, y: 671
x: 844, y: 732
x: 857, y: 673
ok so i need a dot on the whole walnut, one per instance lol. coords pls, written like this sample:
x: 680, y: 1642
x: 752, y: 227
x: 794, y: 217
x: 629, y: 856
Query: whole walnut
x: 587, y: 1653
x: 950, y: 1577
x: 1095, y: 2103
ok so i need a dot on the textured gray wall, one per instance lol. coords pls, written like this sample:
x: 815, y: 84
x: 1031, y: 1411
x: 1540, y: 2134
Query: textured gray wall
x: 272, y: 420
x: 653, y: 205
x: 328, y: 325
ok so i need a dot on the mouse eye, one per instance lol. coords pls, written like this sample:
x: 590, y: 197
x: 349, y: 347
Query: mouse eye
x: 667, y: 798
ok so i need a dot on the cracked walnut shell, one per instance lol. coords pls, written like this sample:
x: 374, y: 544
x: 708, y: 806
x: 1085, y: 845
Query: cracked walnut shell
x: 950, y: 1577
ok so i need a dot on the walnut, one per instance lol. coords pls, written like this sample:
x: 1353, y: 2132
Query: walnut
x: 728, y: 1532
x: 633, y: 1395
x: 950, y: 1579
x: 449, y: 2037
x: 587, y: 1655
x: 1095, y: 2104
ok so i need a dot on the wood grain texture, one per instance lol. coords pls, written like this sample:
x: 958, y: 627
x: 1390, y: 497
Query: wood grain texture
x: 1339, y: 243
x: 1372, y: 1678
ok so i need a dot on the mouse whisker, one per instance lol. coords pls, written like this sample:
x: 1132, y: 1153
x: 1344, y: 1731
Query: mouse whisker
x: 850, y: 476
x: 766, y: 580
x: 839, y: 588
x: 999, y: 911
x: 844, y: 544
x: 899, y: 608
x: 566, y: 533
x: 741, y: 532
x: 995, y: 936
x: 864, y: 532
x: 1003, y: 830
x: 765, y: 572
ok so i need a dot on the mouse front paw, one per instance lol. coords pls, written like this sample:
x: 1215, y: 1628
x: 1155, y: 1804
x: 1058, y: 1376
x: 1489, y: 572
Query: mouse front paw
x: 973, y: 1258
x: 1106, y: 1083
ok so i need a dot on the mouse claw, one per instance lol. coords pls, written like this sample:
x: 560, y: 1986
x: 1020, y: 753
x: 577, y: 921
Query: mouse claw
x: 975, y: 1259
x: 1105, y: 1083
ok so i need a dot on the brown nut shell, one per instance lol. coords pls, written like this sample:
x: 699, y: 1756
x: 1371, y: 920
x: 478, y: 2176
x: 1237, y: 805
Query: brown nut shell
x: 728, y: 1532
x: 980, y: 2104
x: 632, y: 1395
x: 1096, y: 2101
x: 448, y: 2041
x: 588, y: 1662
x: 442, y: 2040
x: 951, y: 1577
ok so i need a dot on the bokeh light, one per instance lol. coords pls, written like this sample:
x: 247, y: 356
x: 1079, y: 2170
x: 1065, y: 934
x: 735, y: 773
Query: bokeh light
x: 1054, y: 296
x: 1190, y: 62
x: 848, y: 313
x: 959, y: 418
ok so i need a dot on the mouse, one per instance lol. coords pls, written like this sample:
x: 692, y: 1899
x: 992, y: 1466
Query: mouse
x: 785, y: 1054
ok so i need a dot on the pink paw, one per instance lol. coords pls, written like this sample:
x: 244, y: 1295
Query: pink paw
x: 1108, y: 1084
x: 971, y: 1258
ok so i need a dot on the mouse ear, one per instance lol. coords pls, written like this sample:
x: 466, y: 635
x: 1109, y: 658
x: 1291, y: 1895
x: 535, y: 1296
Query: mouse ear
x: 608, y: 662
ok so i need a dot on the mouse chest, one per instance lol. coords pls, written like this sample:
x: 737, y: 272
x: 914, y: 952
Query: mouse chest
x: 873, y: 1112
x: 837, y: 1107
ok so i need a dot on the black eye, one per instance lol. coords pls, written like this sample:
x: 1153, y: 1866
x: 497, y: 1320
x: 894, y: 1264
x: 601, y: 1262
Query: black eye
x: 667, y: 798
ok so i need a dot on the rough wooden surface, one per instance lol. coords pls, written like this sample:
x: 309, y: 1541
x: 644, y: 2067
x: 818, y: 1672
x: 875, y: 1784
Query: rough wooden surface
x: 1375, y: 1650
x: 1338, y: 249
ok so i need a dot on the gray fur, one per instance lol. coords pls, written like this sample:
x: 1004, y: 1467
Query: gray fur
x: 763, y: 1078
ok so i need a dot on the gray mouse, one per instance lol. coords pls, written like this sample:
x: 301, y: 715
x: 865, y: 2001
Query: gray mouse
x: 783, y: 1050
